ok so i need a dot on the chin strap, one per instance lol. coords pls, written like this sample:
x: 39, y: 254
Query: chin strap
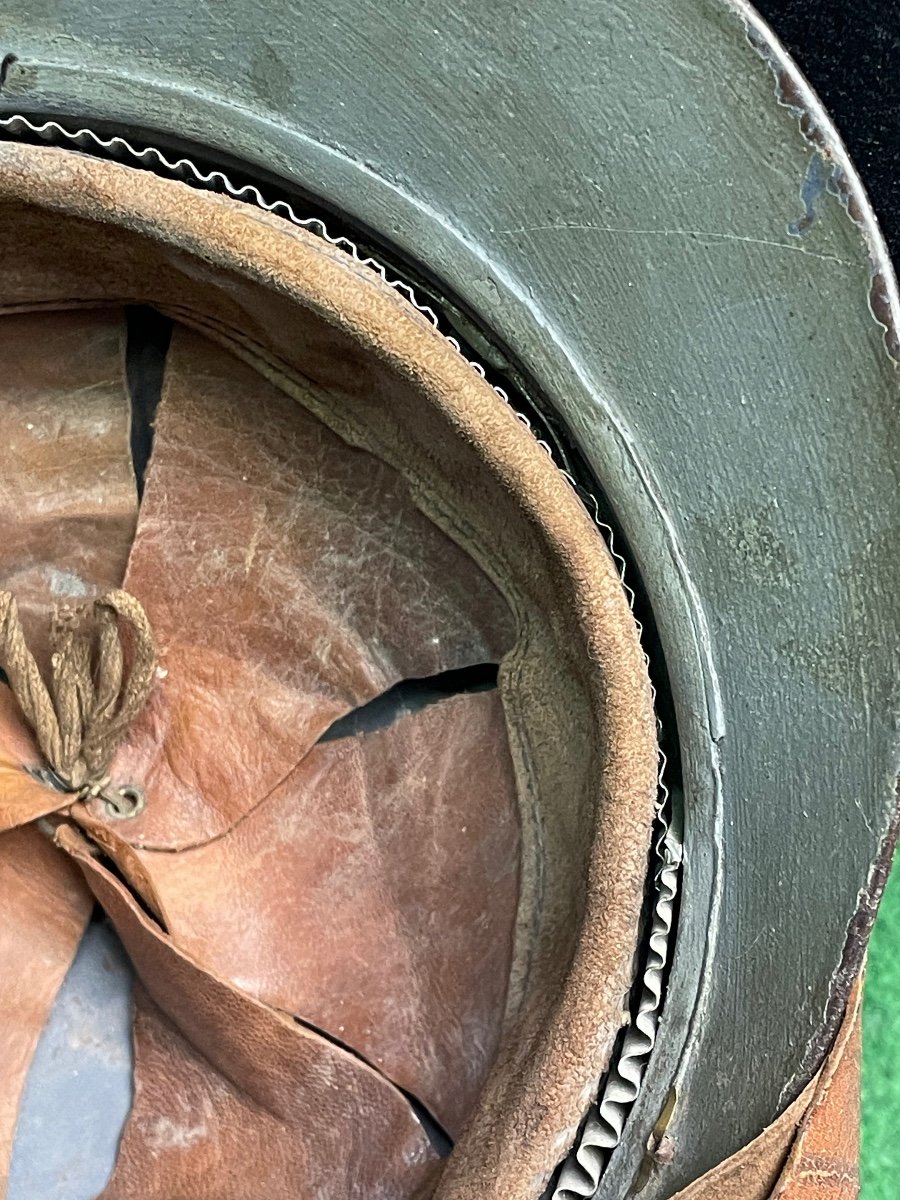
x: 81, y: 719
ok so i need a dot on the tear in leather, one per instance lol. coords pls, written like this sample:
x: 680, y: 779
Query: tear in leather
x: 373, y: 894
x: 227, y: 1089
x: 289, y: 578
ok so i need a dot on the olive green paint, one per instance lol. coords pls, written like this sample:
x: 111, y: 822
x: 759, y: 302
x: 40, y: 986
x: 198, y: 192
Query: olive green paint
x: 608, y: 193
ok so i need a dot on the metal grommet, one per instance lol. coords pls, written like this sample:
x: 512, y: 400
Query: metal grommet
x: 124, y: 802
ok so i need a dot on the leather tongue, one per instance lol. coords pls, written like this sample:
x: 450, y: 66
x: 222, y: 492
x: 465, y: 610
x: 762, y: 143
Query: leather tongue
x: 68, y: 507
x: 289, y: 578
x: 45, y: 908
x: 373, y: 894
x: 68, y: 499
x: 23, y: 797
x: 228, y: 1090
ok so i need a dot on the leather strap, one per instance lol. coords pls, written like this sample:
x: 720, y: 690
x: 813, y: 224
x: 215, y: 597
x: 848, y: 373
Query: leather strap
x: 811, y: 1152
x: 45, y: 909
x: 824, y: 1160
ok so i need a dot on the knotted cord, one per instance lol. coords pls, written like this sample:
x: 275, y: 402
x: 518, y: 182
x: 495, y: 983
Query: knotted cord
x: 82, y: 717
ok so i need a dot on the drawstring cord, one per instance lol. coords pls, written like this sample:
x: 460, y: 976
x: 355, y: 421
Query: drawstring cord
x: 81, y: 719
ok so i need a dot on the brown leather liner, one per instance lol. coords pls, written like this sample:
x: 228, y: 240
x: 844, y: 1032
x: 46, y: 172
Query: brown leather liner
x: 44, y: 908
x: 291, y: 1102
x: 575, y: 690
x: 289, y: 578
x: 193, y: 1135
x: 373, y: 894
x: 68, y: 499
x: 22, y: 797
x: 68, y: 506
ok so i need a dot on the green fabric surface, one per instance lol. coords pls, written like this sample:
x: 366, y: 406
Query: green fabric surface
x: 880, y: 1165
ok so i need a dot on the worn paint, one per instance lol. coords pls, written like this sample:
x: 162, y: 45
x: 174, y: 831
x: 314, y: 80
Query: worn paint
x: 812, y: 189
x: 644, y: 288
x: 794, y: 93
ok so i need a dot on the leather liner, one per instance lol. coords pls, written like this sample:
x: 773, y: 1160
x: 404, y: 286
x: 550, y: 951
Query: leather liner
x: 581, y: 1170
